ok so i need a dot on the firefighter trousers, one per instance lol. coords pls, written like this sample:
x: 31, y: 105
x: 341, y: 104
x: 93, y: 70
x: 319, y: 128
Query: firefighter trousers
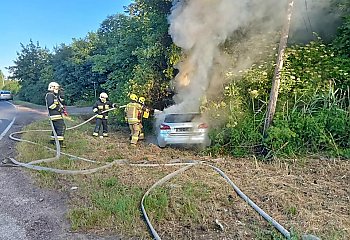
x: 135, y: 129
x: 60, y: 128
x: 100, y: 122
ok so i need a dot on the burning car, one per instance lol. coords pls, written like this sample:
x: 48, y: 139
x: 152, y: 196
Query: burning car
x: 182, y: 128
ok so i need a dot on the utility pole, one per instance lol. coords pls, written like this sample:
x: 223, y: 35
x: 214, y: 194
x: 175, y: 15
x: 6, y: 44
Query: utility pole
x: 95, y: 89
x: 276, y: 80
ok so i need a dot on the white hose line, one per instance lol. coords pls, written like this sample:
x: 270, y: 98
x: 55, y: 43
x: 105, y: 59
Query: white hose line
x: 160, y: 164
x: 31, y: 165
x: 269, y: 219
x: 50, y: 149
x: 62, y: 171
x: 70, y: 128
x: 161, y: 181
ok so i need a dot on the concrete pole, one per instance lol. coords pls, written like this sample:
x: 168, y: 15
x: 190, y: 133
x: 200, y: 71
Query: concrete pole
x: 276, y: 80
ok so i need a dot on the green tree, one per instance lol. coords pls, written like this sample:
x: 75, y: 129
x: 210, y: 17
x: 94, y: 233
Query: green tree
x: 32, y: 70
x: 152, y: 74
x: 134, y: 52
x: 342, y: 42
x: 114, y: 59
x: 72, y: 66
x: 11, y: 85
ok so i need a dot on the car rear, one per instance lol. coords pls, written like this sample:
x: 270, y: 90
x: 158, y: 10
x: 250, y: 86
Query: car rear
x: 187, y: 128
x: 5, y: 95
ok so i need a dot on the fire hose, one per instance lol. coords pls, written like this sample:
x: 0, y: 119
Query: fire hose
x: 188, y: 165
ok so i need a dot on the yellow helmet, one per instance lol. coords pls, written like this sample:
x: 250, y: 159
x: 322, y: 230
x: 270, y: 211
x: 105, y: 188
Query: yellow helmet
x: 142, y: 100
x: 133, y: 97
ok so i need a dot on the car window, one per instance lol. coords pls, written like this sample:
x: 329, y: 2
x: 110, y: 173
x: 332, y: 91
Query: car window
x: 178, y: 118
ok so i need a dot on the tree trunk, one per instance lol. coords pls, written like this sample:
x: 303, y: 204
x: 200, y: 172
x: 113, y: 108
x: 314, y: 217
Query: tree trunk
x: 279, y: 64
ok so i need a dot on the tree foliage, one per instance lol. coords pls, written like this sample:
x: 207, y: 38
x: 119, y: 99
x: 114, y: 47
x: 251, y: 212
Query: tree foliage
x: 11, y: 85
x: 134, y: 52
x: 342, y: 42
x: 33, y: 71
x: 73, y: 69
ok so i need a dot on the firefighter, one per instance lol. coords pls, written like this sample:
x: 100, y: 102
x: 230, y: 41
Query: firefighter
x: 144, y: 114
x: 55, y: 107
x: 101, y: 105
x: 133, y: 111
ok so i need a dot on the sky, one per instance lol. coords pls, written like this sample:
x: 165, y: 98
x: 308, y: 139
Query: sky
x: 49, y: 22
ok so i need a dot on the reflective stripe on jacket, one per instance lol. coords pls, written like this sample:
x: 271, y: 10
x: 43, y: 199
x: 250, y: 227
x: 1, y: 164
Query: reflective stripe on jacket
x: 100, y: 107
x: 133, y: 112
x: 54, y: 105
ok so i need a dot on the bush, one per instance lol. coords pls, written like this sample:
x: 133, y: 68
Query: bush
x: 11, y: 85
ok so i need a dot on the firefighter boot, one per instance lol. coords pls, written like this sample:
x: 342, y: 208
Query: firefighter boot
x: 62, y: 144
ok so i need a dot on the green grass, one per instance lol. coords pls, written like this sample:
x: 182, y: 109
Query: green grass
x: 183, y: 201
x: 28, y: 104
x: 158, y: 203
x: 84, y: 218
x: 118, y: 200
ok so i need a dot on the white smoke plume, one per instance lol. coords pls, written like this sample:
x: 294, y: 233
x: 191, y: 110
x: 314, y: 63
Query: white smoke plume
x: 200, y: 27
x: 313, y: 16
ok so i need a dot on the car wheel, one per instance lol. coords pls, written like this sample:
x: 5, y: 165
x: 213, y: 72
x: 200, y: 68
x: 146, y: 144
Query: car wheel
x: 161, y: 143
x: 207, y: 143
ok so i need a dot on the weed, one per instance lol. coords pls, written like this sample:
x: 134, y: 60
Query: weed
x: 84, y: 218
x: 292, y: 211
x: 117, y: 200
x: 157, y: 203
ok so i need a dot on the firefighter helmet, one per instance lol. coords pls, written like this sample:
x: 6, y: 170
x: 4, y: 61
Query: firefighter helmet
x: 142, y: 100
x: 103, y: 95
x: 133, y: 97
x: 53, y: 86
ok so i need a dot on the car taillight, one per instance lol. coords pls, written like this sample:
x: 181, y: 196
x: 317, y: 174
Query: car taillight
x: 203, y: 125
x: 164, y: 127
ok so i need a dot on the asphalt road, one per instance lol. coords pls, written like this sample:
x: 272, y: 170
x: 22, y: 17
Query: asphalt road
x: 7, y: 117
x: 26, y: 211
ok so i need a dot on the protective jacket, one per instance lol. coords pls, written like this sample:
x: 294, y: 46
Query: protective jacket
x: 99, y: 107
x: 55, y: 105
x: 133, y: 112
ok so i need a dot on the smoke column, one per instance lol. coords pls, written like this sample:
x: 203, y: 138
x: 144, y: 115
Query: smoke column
x: 200, y: 27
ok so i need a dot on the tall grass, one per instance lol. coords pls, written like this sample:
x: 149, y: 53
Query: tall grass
x: 316, y: 124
